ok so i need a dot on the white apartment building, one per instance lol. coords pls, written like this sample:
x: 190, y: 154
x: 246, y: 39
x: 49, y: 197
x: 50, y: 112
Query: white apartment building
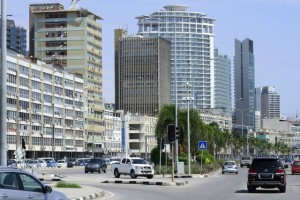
x: 45, y: 108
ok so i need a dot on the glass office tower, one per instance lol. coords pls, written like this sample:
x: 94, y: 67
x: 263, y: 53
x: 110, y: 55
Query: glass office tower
x: 192, y: 59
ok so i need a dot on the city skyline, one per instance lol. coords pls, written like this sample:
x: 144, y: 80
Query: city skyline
x: 269, y: 23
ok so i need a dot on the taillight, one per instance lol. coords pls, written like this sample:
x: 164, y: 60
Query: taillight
x: 252, y: 172
x: 279, y: 172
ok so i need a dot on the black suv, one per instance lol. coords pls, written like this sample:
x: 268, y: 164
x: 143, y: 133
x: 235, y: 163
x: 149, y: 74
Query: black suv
x: 266, y: 172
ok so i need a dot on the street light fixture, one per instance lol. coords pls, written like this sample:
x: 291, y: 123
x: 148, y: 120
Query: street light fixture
x: 188, y: 99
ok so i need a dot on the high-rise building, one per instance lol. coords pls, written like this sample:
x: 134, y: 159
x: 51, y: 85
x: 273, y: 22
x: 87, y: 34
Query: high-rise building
x: 222, y: 82
x: 270, y: 102
x: 244, y: 84
x: 192, y: 37
x: 16, y: 37
x: 143, y: 73
x: 72, y: 38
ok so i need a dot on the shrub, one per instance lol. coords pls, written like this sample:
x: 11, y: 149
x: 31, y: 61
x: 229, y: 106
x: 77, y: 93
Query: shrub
x: 62, y: 184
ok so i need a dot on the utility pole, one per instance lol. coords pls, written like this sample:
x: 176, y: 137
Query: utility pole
x: 3, y: 126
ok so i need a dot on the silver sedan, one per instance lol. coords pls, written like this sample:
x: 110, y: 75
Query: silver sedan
x: 229, y: 167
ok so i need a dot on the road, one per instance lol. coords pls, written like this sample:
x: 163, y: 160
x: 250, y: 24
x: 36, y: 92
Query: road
x: 216, y: 187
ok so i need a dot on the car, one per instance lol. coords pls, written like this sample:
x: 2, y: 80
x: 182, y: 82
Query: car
x: 71, y: 162
x: 81, y: 162
x: 11, y: 163
x: 95, y: 165
x: 295, y: 167
x: 61, y: 163
x: 266, y: 172
x: 245, y: 161
x: 51, y: 163
x: 42, y: 163
x: 288, y: 160
x: 32, y: 163
x: 17, y: 184
x: 230, y: 167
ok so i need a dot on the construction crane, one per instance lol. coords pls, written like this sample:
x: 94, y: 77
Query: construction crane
x: 74, y: 4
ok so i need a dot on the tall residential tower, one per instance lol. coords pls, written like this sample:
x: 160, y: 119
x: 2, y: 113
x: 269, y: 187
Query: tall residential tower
x: 72, y: 38
x: 222, y: 83
x: 192, y: 37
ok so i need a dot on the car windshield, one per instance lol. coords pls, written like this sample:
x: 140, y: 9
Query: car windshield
x: 95, y: 161
x: 296, y: 163
x: 138, y: 161
x: 229, y: 163
x: 245, y: 158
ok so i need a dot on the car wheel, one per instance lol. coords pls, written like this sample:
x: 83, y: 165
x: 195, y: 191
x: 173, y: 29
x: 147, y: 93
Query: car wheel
x: 251, y: 189
x: 132, y: 174
x: 242, y: 166
x: 222, y: 172
x: 150, y: 177
x: 237, y: 172
x: 104, y: 171
x: 282, y: 189
x: 86, y: 171
x: 116, y: 173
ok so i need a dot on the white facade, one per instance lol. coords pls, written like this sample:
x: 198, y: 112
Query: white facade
x: 216, y: 115
x: 141, y: 131
x: 44, y: 107
x: 192, y: 37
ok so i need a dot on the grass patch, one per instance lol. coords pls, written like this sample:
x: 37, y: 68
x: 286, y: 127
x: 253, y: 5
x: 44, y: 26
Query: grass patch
x: 66, y: 185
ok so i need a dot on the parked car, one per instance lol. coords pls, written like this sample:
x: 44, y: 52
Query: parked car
x: 230, y: 167
x: 95, y: 165
x: 71, y: 162
x: 11, y: 163
x: 295, y: 167
x: 80, y: 162
x: 33, y: 163
x: 61, y: 163
x: 17, y: 184
x: 43, y: 163
x: 266, y: 172
x: 51, y: 163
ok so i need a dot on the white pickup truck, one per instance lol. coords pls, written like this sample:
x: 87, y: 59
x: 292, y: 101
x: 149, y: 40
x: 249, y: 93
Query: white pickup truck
x: 134, y: 167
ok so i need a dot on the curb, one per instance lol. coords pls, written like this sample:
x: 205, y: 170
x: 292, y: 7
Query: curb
x: 148, y: 182
x: 91, y: 196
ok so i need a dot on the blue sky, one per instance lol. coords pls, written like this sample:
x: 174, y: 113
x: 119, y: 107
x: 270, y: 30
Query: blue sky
x: 273, y: 25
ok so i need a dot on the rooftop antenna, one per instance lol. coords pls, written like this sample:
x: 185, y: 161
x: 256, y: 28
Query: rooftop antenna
x: 74, y: 5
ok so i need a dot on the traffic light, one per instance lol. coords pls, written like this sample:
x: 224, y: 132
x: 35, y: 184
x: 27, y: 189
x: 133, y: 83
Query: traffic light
x: 176, y: 133
x: 23, y: 144
x: 171, y: 132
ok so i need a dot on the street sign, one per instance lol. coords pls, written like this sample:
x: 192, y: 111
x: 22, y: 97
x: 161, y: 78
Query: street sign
x: 202, y: 145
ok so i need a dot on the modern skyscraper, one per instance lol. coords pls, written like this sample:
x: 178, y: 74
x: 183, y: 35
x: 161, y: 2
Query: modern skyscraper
x: 192, y: 37
x: 244, y: 85
x: 222, y: 82
x: 16, y: 37
x: 72, y: 38
x: 143, y: 73
x: 270, y: 102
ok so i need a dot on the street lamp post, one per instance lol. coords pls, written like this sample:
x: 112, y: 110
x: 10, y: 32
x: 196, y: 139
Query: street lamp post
x: 188, y: 99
